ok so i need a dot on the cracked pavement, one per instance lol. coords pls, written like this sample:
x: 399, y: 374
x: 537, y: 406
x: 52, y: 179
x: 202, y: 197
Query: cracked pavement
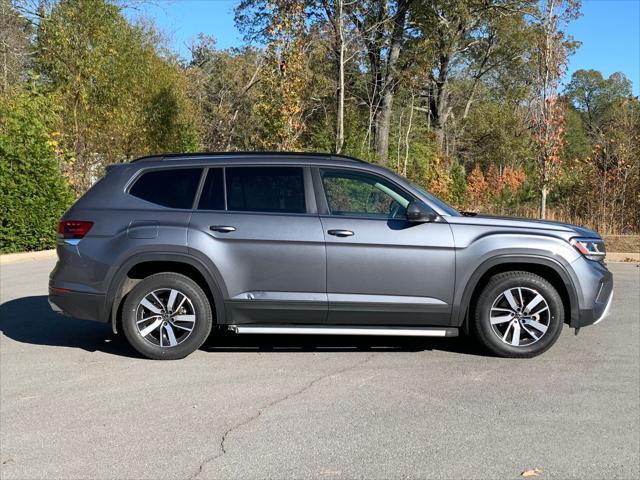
x: 76, y: 402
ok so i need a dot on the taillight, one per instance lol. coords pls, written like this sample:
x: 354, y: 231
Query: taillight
x: 73, y: 228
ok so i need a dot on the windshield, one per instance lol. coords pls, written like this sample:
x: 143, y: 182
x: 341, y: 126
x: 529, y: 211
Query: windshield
x: 432, y: 198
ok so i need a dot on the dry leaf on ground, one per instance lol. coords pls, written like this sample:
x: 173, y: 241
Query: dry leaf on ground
x: 534, y: 472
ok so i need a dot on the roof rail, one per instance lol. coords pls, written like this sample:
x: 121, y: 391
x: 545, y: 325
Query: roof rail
x: 168, y: 156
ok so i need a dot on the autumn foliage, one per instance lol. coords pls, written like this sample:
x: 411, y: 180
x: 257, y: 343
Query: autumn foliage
x: 468, y: 99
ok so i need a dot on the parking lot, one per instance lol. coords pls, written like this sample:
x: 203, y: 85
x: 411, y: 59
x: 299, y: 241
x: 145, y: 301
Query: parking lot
x: 76, y: 402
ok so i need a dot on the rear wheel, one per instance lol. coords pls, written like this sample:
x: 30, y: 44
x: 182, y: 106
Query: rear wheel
x: 518, y: 314
x: 166, y: 316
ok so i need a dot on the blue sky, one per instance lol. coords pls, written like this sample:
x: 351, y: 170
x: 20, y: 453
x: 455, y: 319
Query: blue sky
x: 608, y: 29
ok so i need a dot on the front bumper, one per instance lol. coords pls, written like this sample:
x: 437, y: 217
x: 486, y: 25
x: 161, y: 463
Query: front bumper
x: 85, y: 306
x: 598, y: 300
x: 605, y: 312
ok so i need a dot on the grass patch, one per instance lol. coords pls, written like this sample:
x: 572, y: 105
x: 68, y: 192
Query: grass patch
x: 622, y: 243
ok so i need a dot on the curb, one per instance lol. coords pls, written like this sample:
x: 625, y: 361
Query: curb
x: 11, y: 258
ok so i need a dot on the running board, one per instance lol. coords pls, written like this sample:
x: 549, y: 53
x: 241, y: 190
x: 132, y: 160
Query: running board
x: 350, y: 330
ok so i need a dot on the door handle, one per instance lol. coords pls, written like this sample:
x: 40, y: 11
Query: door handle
x: 340, y: 233
x: 222, y: 228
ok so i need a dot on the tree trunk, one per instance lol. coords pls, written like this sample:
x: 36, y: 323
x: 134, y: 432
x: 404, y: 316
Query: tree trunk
x: 406, y: 138
x: 340, y: 106
x: 383, y: 116
x: 438, y: 101
x: 383, y: 125
x: 543, y: 202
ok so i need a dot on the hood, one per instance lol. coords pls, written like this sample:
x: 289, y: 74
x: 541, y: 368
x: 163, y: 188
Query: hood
x: 526, y: 223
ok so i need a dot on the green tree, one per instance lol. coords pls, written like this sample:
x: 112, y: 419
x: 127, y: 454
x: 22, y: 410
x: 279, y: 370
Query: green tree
x: 123, y: 94
x: 593, y: 95
x: 33, y: 193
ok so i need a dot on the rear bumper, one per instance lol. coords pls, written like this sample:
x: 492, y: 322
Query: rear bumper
x: 85, y: 306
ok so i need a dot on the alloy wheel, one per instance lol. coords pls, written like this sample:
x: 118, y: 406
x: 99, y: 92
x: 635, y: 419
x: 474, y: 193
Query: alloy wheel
x: 165, y: 317
x: 520, y: 316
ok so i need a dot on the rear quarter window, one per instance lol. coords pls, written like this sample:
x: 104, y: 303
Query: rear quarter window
x: 172, y: 188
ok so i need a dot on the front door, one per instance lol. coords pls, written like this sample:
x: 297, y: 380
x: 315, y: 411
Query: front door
x: 266, y: 241
x: 382, y: 269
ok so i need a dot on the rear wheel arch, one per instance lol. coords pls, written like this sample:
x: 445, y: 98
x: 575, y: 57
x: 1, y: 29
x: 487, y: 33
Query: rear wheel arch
x: 144, y: 265
x: 548, y: 268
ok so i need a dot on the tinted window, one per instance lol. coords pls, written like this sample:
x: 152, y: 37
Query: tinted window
x: 265, y: 189
x: 212, y: 197
x: 359, y: 194
x: 173, y: 188
x: 448, y: 209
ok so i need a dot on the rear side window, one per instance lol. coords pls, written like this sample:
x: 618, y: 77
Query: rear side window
x: 265, y: 189
x: 173, y: 188
x: 212, y: 196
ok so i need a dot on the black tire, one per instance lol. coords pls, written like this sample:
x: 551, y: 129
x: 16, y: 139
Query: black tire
x: 493, y: 297
x: 186, y: 341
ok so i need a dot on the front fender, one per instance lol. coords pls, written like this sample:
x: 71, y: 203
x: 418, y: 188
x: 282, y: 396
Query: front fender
x: 474, y: 261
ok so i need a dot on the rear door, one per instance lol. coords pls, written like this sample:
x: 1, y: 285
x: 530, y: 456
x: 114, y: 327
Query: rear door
x: 382, y: 269
x: 258, y: 226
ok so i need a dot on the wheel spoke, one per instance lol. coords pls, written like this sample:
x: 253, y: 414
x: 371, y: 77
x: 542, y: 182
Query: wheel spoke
x: 506, y: 332
x: 515, y: 339
x: 539, y: 311
x: 184, y: 318
x: 537, y: 325
x: 520, y: 295
x: 496, y: 320
x: 146, y: 318
x: 158, y: 300
x: 536, y: 300
x: 181, y: 303
x: 150, y: 306
x: 170, y: 335
x: 150, y: 328
x: 512, y: 301
x: 530, y: 332
x: 181, y: 327
x: 499, y: 309
x: 172, y: 299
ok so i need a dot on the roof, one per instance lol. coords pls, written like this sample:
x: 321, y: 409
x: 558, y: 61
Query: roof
x: 298, y: 156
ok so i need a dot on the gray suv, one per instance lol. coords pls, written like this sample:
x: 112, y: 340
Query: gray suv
x: 168, y: 247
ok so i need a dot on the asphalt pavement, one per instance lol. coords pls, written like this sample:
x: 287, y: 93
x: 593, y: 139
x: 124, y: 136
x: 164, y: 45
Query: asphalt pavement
x: 78, y: 403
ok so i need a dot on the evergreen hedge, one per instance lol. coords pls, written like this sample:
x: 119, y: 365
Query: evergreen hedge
x: 33, y: 193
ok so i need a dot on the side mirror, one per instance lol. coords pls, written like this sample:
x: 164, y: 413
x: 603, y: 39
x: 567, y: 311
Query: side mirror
x: 419, y: 212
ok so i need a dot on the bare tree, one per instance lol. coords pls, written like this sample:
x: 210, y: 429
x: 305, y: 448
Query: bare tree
x: 336, y: 15
x: 14, y: 45
x: 383, y: 31
x: 548, y: 111
x: 475, y: 36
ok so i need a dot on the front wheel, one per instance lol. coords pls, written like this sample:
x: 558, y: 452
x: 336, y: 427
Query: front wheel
x: 518, y: 315
x: 166, y: 316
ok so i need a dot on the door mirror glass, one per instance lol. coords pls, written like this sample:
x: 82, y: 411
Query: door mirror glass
x: 419, y: 212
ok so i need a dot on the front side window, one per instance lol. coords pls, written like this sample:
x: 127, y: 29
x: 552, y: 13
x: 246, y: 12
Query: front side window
x: 351, y: 193
x: 173, y: 188
x: 265, y: 189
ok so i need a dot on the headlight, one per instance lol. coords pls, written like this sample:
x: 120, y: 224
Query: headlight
x: 591, y: 248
